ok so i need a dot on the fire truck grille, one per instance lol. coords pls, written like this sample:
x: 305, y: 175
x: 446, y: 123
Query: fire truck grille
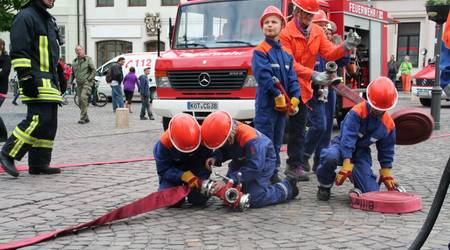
x: 202, y: 80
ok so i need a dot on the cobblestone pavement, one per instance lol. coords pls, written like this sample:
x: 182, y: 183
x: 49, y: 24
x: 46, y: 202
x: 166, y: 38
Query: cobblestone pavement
x: 34, y: 204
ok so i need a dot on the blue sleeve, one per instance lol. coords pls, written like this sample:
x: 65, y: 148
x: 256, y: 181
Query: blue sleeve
x: 343, y: 61
x: 255, y: 161
x: 294, y: 88
x: 164, y: 165
x: 349, y: 134
x: 385, y: 148
x: 444, y: 66
x: 263, y: 73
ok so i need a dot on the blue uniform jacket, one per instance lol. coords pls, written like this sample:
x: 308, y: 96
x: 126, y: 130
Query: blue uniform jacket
x: 445, y: 66
x: 171, y: 163
x: 269, y: 59
x: 248, y: 154
x: 360, y: 130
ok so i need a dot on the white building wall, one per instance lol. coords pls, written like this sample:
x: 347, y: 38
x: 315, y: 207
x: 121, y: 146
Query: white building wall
x: 409, y: 11
x: 125, y: 23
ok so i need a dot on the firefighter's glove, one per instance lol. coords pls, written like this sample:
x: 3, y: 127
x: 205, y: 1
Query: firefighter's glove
x: 293, y: 108
x: 191, y: 180
x: 27, y: 82
x: 344, y: 173
x: 321, y: 78
x: 352, y: 40
x: 387, y: 179
x: 280, y: 103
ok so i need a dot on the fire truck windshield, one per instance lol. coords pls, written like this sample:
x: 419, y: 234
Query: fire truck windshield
x: 223, y: 24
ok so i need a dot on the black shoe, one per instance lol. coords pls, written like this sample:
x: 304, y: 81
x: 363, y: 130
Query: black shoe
x: 306, y: 165
x: 86, y: 120
x: 275, y: 179
x: 81, y: 121
x: 7, y: 163
x: 323, y: 193
x: 47, y: 170
x: 294, y: 188
x: 144, y: 118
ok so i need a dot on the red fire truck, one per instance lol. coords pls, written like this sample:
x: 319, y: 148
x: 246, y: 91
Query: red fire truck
x: 209, y: 64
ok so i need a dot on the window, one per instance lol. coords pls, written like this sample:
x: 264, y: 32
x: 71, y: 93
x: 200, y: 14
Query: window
x: 218, y: 25
x: 408, y: 42
x: 169, y: 2
x: 105, y: 3
x: 62, y: 36
x: 152, y: 46
x: 106, y: 50
x: 137, y: 2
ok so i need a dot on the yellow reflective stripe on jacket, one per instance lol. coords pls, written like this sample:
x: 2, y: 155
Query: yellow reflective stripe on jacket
x: 42, y: 97
x: 41, y: 143
x: 24, y: 137
x: 46, y: 83
x: 43, y: 53
x: 21, y: 63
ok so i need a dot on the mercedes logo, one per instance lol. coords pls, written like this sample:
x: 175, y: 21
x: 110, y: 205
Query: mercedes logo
x: 204, y: 79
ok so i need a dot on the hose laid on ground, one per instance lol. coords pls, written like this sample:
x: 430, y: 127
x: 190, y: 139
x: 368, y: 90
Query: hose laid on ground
x: 434, y: 210
x: 163, y: 198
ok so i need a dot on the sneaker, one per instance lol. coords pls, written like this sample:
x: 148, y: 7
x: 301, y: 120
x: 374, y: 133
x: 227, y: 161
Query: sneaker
x: 144, y: 118
x: 47, y: 170
x: 296, y: 173
x: 323, y: 193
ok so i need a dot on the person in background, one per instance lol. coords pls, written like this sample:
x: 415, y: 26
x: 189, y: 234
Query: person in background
x: 5, y: 69
x: 83, y: 71
x: 67, y: 73
x: 145, y: 92
x: 444, y: 65
x: 15, y: 87
x: 129, y: 83
x: 392, y: 68
x: 405, y: 69
x: 116, y: 75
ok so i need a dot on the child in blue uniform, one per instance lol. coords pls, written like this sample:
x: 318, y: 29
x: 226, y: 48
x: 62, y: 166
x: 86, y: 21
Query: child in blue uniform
x: 270, y: 60
x: 180, y: 157
x: 251, y: 153
x: 365, y: 124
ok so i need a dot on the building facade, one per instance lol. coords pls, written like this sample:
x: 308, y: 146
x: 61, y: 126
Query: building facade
x: 411, y: 33
x: 114, y: 27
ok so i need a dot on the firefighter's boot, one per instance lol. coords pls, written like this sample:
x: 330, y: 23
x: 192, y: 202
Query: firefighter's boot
x: 7, y: 163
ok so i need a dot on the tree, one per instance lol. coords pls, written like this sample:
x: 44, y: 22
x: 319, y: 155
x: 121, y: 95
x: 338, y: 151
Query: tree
x: 7, y: 11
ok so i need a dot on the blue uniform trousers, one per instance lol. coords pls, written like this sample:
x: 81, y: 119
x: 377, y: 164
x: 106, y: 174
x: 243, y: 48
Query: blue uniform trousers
x: 364, y: 179
x: 318, y: 125
x: 330, y: 108
x: 272, y: 124
x: 262, y: 193
x: 296, y: 130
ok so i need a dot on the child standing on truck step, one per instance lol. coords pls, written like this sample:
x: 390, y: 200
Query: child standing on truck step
x: 278, y: 90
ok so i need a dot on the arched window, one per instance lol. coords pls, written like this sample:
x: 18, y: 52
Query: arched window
x: 152, y: 46
x: 106, y: 50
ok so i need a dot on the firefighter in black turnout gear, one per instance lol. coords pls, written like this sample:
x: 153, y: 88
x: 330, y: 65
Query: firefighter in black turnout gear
x: 35, y: 42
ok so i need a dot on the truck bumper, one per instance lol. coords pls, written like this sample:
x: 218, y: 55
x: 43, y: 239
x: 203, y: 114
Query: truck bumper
x: 239, y: 109
x: 425, y: 92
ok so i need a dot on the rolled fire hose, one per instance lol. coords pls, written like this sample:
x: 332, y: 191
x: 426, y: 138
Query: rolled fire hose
x: 434, y: 210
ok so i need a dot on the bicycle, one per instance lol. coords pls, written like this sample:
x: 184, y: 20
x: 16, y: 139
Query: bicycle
x: 96, y: 98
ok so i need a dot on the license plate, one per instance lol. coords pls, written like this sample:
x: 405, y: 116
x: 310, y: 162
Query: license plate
x: 202, y: 105
x: 423, y: 93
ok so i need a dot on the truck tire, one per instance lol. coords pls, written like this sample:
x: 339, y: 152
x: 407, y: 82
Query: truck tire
x: 425, y: 102
x: 165, y: 122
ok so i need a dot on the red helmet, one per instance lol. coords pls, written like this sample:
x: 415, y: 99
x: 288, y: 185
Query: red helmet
x: 272, y: 10
x: 321, y: 16
x: 382, y: 94
x: 184, y: 133
x: 310, y: 6
x: 216, y: 128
